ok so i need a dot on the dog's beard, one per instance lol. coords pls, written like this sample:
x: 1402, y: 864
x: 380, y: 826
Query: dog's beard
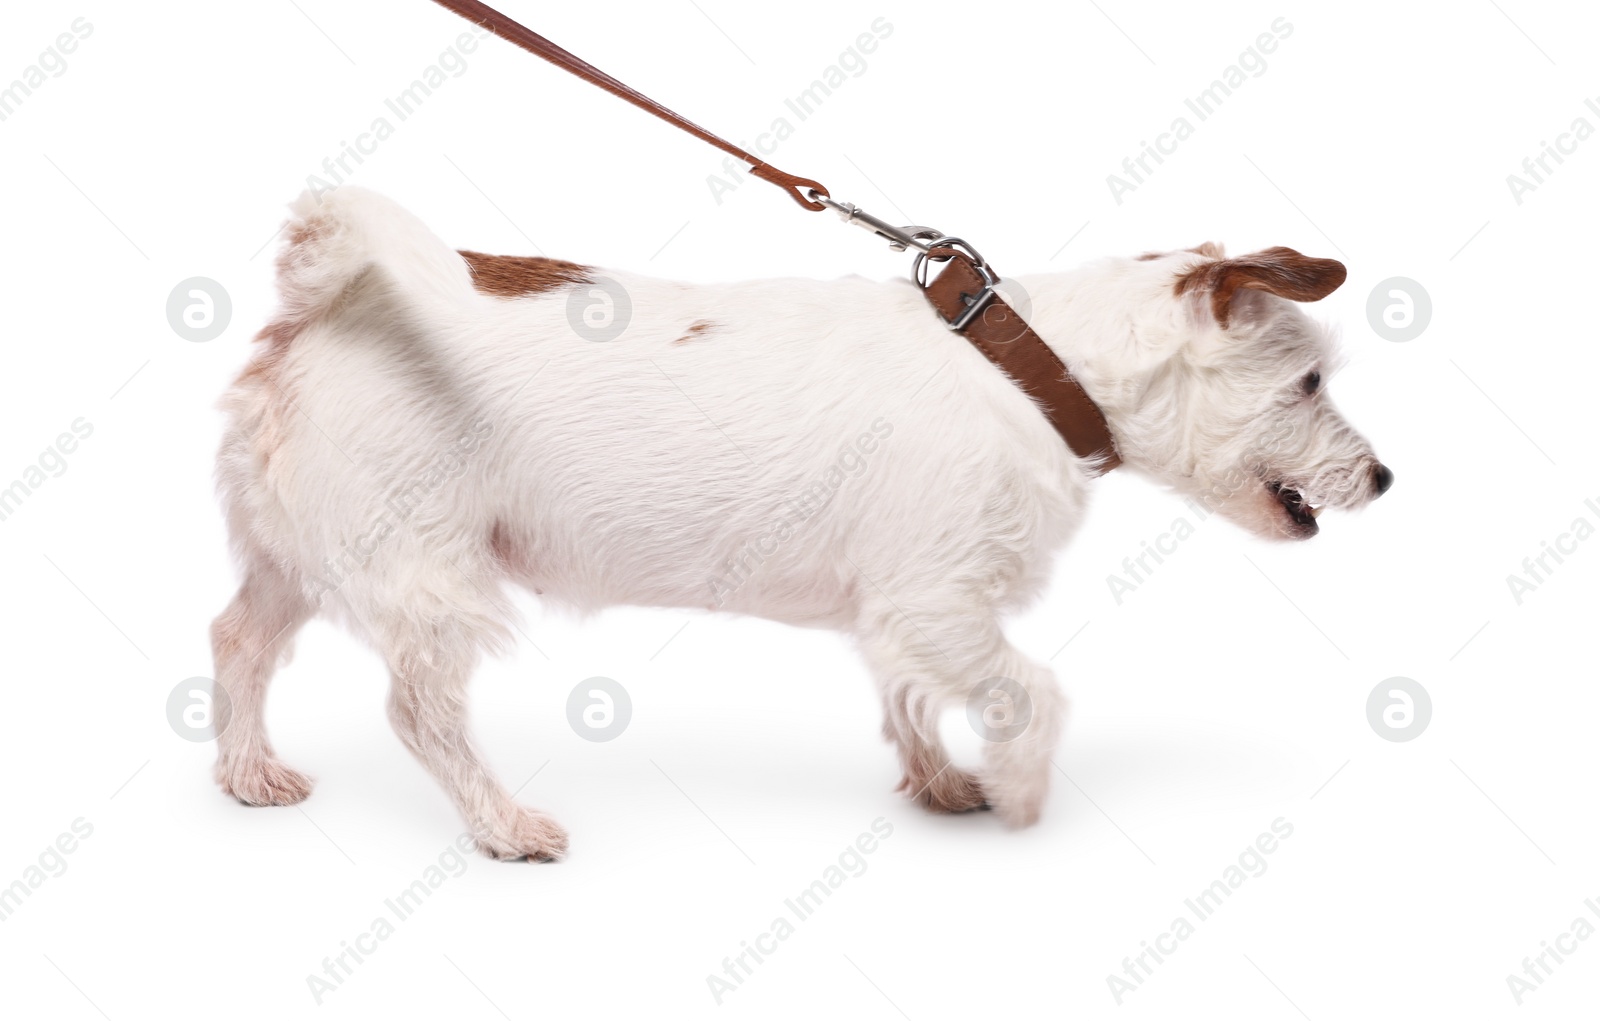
x: 1272, y: 510
x: 1301, y: 514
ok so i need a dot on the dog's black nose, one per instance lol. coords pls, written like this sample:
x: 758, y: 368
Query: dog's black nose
x: 1382, y: 479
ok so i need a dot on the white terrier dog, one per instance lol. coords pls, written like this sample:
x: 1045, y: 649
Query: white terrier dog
x: 421, y: 427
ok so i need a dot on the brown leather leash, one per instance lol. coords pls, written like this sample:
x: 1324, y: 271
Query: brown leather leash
x: 962, y: 294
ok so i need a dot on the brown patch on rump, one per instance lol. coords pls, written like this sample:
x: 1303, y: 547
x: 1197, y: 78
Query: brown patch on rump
x: 512, y: 276
x: 276, y: 335
x: 265, y: 370
x: 1281, y: 271
x: 698, y: 326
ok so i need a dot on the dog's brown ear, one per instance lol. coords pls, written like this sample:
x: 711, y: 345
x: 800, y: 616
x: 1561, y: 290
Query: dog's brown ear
x: 1281, y: 271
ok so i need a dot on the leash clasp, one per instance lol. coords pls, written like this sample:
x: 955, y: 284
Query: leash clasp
x: 899, y: 238
x: 931, y: 245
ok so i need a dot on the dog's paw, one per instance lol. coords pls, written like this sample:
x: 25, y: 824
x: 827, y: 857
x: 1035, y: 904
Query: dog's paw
x: 524, y: 834
x: 949, y: 790
x: 264, y: 782
x: 1018, y: 804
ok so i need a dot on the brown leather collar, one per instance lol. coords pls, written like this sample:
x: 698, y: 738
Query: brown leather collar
x: 1010, y: 343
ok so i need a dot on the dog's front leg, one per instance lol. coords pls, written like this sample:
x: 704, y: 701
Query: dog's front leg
x: 913, y: 698
x: 928, y: 660
x: 1018, y: 709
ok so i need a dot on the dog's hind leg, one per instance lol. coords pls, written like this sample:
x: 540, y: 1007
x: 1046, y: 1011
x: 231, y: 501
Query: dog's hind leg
x: 432, y: 647
x: 248, y: 641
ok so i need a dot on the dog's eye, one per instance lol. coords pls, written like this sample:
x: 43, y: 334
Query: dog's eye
x: 1311, y: 383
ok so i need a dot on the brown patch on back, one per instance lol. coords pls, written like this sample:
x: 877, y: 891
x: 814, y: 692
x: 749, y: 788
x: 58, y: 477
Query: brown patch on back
x: 1281, y: 271
x: 697, y: 327
x: 513, y: 276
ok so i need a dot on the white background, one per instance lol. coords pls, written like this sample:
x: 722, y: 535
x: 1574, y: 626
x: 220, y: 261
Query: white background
x: 1230, y: 690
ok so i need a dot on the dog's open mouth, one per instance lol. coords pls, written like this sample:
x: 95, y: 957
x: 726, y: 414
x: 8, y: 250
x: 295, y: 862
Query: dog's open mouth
x: 1300, y: 512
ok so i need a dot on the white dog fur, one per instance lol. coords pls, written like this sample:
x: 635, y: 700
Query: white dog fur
x: 823, y: 453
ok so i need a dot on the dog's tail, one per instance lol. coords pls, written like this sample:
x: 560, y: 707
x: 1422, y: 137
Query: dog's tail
x: 335, y: 237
